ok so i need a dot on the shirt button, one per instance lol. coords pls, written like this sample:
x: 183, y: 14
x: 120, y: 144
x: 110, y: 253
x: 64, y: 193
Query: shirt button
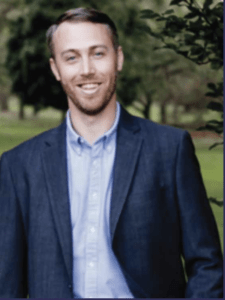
x: 92, y: 229
x: 95, y: 162
x: 91, y: 264
x: 94, y: 195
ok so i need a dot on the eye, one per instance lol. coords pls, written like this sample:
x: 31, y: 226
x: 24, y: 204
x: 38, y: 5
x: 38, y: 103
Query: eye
x: 71, y: 58
x: 99, y: 54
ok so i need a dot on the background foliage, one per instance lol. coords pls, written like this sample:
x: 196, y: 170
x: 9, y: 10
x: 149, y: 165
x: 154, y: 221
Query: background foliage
x: 198, y: 36
x: 177, y: 85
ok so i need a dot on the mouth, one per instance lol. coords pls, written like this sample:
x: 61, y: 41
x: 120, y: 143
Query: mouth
x: 89, y: 88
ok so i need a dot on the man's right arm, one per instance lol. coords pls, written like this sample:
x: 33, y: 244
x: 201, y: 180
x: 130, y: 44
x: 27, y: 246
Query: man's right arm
x: 13, y: 248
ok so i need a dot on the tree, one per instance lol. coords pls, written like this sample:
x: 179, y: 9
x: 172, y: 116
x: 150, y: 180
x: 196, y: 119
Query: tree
x: 5, y: 83
x: 198, y: 36
x: 27, y: 59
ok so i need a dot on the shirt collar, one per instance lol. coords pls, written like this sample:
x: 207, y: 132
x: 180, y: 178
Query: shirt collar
x: 77, y: 141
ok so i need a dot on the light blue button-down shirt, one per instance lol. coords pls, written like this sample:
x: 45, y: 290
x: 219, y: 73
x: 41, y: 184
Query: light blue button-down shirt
x: 96, y: 272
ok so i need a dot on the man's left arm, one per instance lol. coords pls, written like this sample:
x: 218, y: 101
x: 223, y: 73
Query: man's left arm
x: 200, y: 239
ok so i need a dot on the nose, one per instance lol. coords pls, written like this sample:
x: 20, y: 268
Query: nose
x: 87, y: 66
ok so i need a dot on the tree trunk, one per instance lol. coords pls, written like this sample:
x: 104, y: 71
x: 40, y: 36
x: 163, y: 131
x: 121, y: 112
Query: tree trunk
x: 36, y: 109
x: 175, y: 114
x: 148, y: 105
x: 163, y: 113
x: 21, y: 110
x: 4, y: 103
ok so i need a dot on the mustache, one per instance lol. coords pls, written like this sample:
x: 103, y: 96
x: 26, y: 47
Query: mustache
x: 89, y: 82
x: 88, y: 77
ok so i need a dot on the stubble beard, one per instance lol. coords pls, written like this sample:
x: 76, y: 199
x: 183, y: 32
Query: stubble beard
x: 95, y: 110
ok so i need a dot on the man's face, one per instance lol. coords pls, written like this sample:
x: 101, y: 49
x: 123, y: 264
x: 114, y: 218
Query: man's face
x: 86, y: 64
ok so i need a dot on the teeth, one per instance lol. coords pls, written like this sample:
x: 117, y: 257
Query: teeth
x: 89, y: 86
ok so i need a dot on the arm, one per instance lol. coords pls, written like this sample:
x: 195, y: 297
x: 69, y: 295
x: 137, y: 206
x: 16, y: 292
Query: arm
x: 13, y: 267
x: 200, y: 240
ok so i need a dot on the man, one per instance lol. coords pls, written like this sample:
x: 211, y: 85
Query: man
x: 105, y: 205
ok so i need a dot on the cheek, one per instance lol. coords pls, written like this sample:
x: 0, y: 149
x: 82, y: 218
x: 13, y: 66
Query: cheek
x: 110, y: 72
x: 67, y: 72
x: 106, y: 67
x: 68, y: 76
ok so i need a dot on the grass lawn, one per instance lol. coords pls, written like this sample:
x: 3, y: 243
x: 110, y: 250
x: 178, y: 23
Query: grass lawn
x: 13, y: 132
x: 211, y: 163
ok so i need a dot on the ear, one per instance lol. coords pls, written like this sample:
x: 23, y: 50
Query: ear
x: 54, y: 69
x: 120, y: 59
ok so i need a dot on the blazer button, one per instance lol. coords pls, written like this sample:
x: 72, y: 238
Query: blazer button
x: 70, y: 286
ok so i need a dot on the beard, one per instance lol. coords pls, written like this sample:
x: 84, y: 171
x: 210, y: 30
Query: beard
x: 103, y: 99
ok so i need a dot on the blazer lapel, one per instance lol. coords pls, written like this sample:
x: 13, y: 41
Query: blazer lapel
x: 55, y: 168
x: 127, y: 152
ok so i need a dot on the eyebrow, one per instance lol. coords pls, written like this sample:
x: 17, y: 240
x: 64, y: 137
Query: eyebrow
x: 77, y: 50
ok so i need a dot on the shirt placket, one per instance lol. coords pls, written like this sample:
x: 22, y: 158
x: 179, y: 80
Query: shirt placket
x: 92, y: 222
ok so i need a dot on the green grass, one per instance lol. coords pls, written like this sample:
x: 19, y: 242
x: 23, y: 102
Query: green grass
x: 211, y: 163
x: 13, y: 132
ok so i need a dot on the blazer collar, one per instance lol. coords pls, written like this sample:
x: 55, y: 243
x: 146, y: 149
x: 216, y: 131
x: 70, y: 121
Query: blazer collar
x: 127, y: 152
x: 55, y: 169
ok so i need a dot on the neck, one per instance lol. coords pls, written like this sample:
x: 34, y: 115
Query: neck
x: 92, y: 127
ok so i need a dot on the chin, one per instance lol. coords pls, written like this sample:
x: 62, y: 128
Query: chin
x: 94, y: 110
x: 89, y: 109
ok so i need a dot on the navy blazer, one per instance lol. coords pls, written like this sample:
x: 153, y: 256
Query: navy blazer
x: 159, y: 214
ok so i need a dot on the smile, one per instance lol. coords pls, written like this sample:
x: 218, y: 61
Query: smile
x: 89, y: 88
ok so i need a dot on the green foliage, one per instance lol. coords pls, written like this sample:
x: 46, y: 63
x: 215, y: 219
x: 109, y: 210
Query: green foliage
x: 197, y: 36
x: 5, y: 82
x: 28, y: 57
x: 216, y: 90
x: 215, y: 201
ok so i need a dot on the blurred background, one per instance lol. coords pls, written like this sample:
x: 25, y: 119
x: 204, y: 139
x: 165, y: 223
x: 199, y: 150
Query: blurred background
x: 173, y: 72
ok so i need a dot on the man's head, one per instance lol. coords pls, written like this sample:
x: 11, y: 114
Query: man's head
x: 85, y: 59
x: 79, y: 15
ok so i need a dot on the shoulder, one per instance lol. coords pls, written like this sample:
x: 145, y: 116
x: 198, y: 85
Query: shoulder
x: 32, y: 147
x: 153, y: 132
x: 159, y: 129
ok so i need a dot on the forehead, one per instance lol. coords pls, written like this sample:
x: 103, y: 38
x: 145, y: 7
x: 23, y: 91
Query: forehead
x: 81, y: 35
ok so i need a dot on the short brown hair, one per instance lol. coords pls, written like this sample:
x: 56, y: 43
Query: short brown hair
x: 82, y: 15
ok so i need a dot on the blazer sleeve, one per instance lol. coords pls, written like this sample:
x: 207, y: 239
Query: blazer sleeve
x: 200, y: 240
x: 13, y: 268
